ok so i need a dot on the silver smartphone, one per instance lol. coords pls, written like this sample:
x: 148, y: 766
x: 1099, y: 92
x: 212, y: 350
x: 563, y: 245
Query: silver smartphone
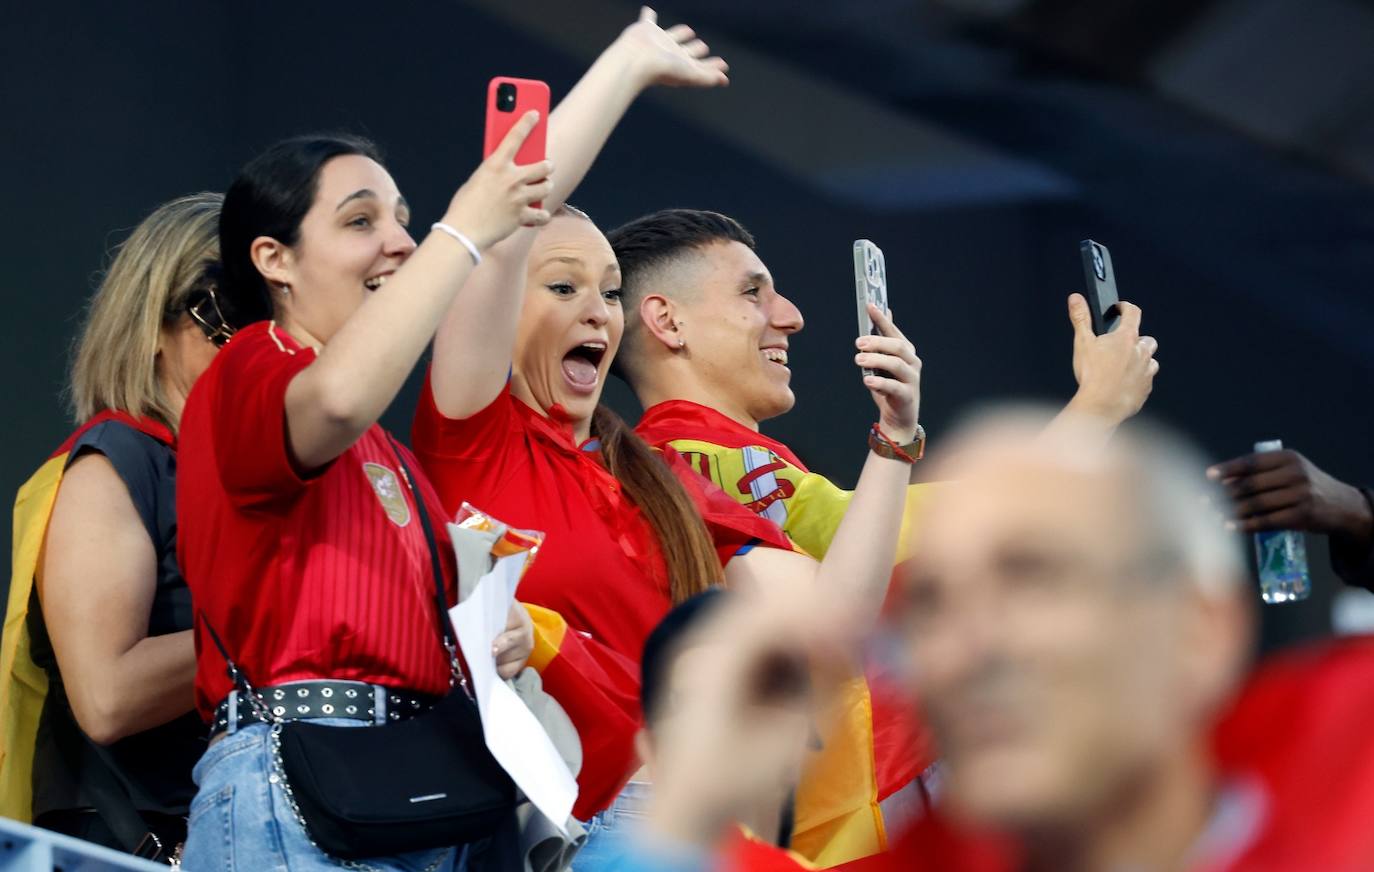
x: 870, y: 284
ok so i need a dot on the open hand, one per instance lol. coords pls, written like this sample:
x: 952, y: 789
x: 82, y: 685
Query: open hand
x: 672, y: 57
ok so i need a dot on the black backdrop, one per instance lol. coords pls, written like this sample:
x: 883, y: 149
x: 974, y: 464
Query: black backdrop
x: 1249, y: 263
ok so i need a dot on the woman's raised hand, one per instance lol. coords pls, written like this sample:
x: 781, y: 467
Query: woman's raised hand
x: 501, y: 194
x: 669, y: 57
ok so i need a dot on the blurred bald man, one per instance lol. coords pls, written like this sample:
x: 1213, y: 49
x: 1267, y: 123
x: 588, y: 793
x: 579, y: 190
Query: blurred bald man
x: 1078, y: 631
x: 1073, y: 626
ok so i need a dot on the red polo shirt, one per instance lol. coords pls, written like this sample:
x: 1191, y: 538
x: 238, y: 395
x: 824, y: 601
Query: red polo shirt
x: 600, y: 566
x: 319, y: 576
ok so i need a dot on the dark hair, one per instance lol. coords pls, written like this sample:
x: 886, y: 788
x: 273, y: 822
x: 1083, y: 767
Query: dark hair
x: 663, y: 645
x: 652, y: 240
x: 688, y: 550
x: 269, y: 197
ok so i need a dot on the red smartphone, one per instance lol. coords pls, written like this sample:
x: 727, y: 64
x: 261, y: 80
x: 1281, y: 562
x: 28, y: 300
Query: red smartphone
x: 507, y: 101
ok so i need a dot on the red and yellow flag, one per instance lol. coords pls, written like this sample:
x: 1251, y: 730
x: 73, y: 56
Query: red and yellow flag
x: 877, y: 746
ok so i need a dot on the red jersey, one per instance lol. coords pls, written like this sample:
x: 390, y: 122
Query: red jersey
x: 599, y: 584
x: 600, y: 566
x: 324, y: 575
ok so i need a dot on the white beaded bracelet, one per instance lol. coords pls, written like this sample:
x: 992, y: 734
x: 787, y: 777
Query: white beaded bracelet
x: 463, y: 240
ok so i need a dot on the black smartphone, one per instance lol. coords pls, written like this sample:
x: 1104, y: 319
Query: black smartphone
x: 1100, y: 282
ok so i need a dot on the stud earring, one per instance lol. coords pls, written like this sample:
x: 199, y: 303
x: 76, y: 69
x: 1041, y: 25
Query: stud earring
x: 681, y: 343
x: 285, y: 290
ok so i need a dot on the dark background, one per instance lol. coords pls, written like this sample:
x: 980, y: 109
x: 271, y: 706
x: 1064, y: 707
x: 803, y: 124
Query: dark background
x: 1223, y: 150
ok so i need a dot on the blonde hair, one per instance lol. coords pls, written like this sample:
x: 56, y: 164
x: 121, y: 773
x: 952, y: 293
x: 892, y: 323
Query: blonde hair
x: 168, y: 257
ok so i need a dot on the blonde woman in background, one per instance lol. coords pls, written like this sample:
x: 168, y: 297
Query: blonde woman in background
x: 99, y: 733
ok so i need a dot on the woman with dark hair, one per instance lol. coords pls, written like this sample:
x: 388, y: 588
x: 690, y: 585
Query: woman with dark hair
x: 95, y: 676
x: 304, y: 533
x: 511, y: 421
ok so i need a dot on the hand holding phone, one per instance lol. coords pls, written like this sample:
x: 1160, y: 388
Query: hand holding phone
x: 500, y: 195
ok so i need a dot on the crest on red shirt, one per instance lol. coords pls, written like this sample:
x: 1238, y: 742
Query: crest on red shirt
x: 388, y: 489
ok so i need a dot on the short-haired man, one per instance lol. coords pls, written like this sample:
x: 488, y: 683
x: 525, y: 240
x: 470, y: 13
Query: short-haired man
x: 705, y: 350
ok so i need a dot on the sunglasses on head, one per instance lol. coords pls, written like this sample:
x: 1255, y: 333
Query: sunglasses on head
x: 204, y: 310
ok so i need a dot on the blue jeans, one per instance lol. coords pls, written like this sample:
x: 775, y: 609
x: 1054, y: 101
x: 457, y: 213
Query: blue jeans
x: 608, y: 832
x: 241, y: 821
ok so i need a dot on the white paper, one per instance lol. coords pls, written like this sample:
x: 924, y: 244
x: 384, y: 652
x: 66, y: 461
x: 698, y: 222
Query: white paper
x: 516, y: 738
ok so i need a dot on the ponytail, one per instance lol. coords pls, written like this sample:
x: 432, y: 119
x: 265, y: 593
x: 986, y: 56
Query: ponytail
x: 687, y: 548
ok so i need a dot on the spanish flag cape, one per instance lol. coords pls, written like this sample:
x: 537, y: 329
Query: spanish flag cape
x: 878, y: 746
x: 23, y: 684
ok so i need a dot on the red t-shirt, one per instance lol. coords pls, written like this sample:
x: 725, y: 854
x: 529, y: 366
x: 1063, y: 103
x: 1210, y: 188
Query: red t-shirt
x: 600, y: 566
x: 320, y: 576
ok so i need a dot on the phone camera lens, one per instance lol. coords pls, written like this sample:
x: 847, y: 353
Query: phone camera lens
x: 505, y: 97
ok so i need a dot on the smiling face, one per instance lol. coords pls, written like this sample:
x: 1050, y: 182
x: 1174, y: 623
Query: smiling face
x: 735, y: 326
x: 1056, y: 668
x: 351, y: 240
x: 571, y: 323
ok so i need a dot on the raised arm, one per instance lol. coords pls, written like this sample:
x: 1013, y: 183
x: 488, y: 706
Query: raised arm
x: 472, y: 351
x: 861, y: 554
x: 330, y: 403
x: 1115, y: 373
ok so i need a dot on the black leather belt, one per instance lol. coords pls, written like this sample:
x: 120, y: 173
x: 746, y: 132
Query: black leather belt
x: 300, y: 700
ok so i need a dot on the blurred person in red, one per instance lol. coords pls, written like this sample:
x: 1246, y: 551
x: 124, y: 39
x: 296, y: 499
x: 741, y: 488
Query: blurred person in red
x: 1079, y: 634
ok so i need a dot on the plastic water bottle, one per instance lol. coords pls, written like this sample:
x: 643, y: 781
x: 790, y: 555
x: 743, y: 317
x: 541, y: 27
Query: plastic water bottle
x: 1281, y: 556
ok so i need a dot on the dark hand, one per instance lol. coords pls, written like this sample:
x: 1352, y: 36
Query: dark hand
x: 1282, y: 490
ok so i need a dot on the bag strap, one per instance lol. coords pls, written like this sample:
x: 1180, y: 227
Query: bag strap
x: 446, y: 635
x: 114, y: 805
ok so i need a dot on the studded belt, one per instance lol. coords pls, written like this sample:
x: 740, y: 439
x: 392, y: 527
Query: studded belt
x: 300, y: 700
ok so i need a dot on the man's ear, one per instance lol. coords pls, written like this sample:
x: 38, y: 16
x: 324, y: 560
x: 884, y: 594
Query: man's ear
x: 1221, y: 642
x: 273, y: 260
x: 660, y: 318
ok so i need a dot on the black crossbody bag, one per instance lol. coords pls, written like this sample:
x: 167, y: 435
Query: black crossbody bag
x: 426, y: 782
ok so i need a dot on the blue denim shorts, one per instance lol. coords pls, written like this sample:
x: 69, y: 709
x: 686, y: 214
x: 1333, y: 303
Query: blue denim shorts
x: 609, y: 832
x: 241, y: 820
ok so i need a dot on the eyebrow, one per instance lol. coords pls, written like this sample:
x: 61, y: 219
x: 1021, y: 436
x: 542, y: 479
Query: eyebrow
x: 758, y: 278
x: 369, y: 194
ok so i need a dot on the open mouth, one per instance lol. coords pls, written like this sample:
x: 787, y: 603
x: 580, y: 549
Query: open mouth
x: 582, y: 366
x: 376, y: 282
x: 775, y: 355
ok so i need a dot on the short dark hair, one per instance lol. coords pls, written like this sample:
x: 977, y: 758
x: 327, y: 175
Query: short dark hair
x: 652, y: 240
x: 269, y: 197
x: 665, y: 643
